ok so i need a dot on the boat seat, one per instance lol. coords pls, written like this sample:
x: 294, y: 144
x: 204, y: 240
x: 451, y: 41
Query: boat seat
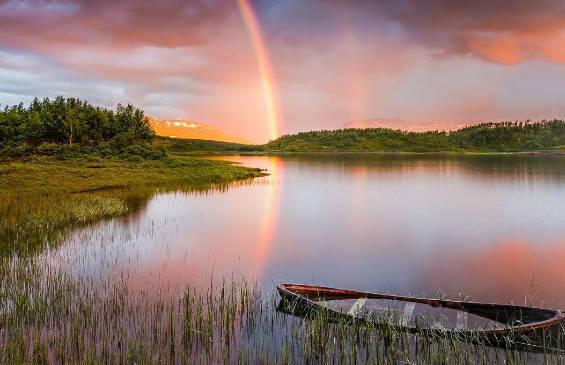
x: 407, y: 313
x: 462, y: 319
x: 357, y: 306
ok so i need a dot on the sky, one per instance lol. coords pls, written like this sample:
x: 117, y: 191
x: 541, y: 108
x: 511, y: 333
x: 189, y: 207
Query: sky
x: 259, y: 69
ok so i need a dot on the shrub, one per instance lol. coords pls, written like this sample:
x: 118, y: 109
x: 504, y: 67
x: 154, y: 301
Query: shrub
x: 49, y: 149
x: 122, y: 141
x: 15, y: 149
x: 145, y: 151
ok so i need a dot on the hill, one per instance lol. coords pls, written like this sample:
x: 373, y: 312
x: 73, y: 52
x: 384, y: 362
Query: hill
x: 485, y: 137
x: 405, y: 125
x: 180, y: 146
x: 188, y: 129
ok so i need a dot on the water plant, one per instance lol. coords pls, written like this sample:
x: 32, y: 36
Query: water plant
x: 50, y: 316
x: 42, y: 198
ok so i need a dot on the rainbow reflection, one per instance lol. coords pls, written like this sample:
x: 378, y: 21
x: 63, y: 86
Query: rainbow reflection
x: 269, y: 223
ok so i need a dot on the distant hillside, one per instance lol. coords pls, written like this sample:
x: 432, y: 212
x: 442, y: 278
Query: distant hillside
x: 486, y: 137
x: 405, y: 125
x: 189, y: 129
x: 180, y: 146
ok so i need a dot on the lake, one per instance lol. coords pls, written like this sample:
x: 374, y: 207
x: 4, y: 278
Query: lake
x: 491, y: 228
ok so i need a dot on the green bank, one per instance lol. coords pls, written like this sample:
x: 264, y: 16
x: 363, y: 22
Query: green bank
x: 65, y: 163
x: 42, y: 197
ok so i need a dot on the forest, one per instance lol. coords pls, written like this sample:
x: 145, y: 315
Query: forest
x: 71, y: 126
x: 485, y: 137
x: 67, y: 127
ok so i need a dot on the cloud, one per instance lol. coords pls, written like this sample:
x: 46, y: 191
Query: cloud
x: 25, y: 76
x: 176, y: 59
x: 119, y: 23
x: 335, y: 61
x: 501, y: 31
x: 506, y: 32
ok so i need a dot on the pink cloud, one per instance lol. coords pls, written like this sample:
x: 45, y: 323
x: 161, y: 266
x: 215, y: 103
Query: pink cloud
x: 429, y: 62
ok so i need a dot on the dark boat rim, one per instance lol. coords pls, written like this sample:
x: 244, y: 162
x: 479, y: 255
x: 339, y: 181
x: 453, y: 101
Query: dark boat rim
x: 558, y: 316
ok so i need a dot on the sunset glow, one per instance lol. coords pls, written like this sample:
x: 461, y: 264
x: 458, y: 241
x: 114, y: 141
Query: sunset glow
x: 268, y: 80
x: 256, y: 70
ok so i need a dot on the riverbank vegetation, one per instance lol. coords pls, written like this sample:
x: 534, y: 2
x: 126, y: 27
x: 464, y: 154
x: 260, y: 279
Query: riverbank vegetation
x: 66, y: 163
x: 67, y: 127
x: 482, y: 138
x: 486, y: 137
x: 47, y: 316
x: 43, y: 197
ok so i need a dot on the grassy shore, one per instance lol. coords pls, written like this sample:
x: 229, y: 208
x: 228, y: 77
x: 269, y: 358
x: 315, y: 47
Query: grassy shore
x: 48, y: 317
x: 41, y: 197
x: 55, y: 309
x: 49, y: 175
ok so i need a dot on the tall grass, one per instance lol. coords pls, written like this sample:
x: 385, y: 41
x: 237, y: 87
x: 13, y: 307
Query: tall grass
x: 48, y: 316
x: 60, y: 312
x: 41, y: 199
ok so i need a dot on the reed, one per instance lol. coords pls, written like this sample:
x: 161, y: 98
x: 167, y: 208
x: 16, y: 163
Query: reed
x: 41, y: 199
x: 50, y: 316
x: 53, y: 309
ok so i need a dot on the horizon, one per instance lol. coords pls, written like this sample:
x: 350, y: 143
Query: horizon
x: 262, y: 69
x: 190, y: 129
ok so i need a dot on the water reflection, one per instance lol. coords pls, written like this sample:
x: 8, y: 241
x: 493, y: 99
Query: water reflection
x: 270, y: 217
x: 504, y: 270
x: 493, y: 227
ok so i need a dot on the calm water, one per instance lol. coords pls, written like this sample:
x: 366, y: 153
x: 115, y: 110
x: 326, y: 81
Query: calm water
x: 493, y: 227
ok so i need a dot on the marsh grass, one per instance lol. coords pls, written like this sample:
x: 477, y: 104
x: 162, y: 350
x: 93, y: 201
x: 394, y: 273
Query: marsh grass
x: 47, y: 316
x: 47, y: 175
x: 42, y: 198
x: 32, y: 222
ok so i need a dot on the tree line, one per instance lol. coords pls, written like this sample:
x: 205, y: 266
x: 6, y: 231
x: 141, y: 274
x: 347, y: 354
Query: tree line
x: 487, y: 137
x: 66, y: 126
x: 72, y: 124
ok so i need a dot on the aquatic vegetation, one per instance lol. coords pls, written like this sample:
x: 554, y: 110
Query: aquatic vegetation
x: 48, y: 316
x: 42, y: 198
x: 48, y: 216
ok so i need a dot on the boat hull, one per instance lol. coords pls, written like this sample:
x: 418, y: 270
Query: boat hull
x: 540, y: 328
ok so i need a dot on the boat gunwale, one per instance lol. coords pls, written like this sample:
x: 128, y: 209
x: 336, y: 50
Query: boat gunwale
x: 558, y: 315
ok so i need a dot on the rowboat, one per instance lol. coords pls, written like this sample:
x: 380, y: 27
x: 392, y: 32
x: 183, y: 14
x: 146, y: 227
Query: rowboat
x: 492, y: 323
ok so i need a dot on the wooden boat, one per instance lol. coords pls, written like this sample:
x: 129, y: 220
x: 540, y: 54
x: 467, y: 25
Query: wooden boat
x: 490, y: 323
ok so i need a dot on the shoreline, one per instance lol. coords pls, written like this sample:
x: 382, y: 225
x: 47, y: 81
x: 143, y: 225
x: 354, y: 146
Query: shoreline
x: 41, y: 198
x: 325, y: 152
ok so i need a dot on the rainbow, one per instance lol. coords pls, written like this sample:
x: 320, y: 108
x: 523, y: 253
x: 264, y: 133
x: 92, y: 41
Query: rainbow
x: 268, y: 80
